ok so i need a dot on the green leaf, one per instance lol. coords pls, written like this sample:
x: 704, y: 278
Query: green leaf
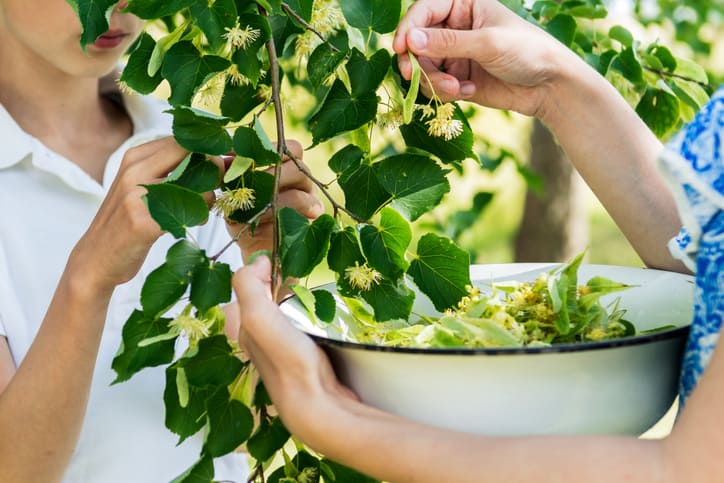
x: 344, y: 474
x: 184, y: 256
x: 665, y: 57
x: 382, y: 16
x: 628, y: 65
x: 130, y: 357
x: 303, y: 244
x: 416, y: 183
x: 347, y: 159
x: 214, y: 18
x: 385, y: 246
x: 187, y: 420
x: 186, y: 69
x: 230, y: 423
x: 322, y: 64
x: 691, y: 70
x: 201, y: 472
x: 363, y: 192
x: 200, y: 131
x: 214, y: 363
x: 342, y: 112
x: 622, y: 35
x: 563, y: 27
x: 239, y: 100
x: 390, y: 300
x: 367, y: 74
x: 659, y: 109
x: 268, y: 438
x: 162, y: 288
x: 135, y: 73
x: 303, y: 8
x: 199, y: 174
x: 210, y: 285
x: 457, y: 149
x: 248, y: 143
x: 175, y: 208
x: 441, y: 270
x: 94, y: 16
x: 588, y: 11
x: 150, y: 9
x: 344, y: 250
x: 325, y: 307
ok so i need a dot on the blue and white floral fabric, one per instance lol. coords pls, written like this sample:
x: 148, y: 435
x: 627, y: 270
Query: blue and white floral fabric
x: 693, y: 163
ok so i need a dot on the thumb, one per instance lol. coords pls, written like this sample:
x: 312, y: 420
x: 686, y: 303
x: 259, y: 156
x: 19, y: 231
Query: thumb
x: 252, y: 282
x: 443, y: 43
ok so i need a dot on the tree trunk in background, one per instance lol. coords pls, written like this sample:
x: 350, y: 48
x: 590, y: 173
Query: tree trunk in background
x: 554, y: 227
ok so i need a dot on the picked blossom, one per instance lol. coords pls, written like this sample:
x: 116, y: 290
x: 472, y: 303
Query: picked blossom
x: 241, y: 38
x: 443, y: 125
x: 193, y: 328
x: 231, y: 200
x: 362, y: 277
x: 426, y: 109
x: 391, y: 119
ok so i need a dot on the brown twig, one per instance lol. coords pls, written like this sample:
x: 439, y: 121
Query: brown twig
x: 323, y: 187
x: 236, y: 237
x: 664, y: 74
x: 290, y: 11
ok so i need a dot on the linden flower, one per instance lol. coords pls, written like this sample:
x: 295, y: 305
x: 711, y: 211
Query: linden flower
x: 209, y: 95
x: 188, y: 325
x: 305, y: 44
x: 597, y: 333
x: 231, y: 200
x: 443, y: 125
x: 326, y: 17
x: 241, y: 38
x: 264, y: 92
x: 391, y: 119
x: 236, y: 77
x: 362, y: 277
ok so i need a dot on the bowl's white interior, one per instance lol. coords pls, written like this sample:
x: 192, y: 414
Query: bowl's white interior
x: 657, y: 299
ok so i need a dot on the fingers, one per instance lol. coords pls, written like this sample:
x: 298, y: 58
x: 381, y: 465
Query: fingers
x: 158, y: 158
x: 252, y: 283
x: 423, y: 13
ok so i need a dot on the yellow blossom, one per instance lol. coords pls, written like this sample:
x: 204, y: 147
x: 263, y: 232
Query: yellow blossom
x: 231, y: 200
x: 188, y: 325
x: 443, y: 125
x: 209, y: 95
x: 391, y: 119
x: 236, y: 77
x: 326, y: 17
x: 362, y: 277
x: 241, y: 38
x: 597, y: 333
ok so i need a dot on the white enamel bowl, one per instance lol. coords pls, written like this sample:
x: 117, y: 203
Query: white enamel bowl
x: 611, y: 387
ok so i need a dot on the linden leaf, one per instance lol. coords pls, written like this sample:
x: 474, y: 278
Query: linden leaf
x: 303, y: 244
x: 130, y: 357
x: 382, y: 16
x: 175, y: 208
x: 200, y: 131
x: 186, y: 69
x: 441, y: 270
x: 385, y: 246
x: 230, y: 423
x: 416, y: 183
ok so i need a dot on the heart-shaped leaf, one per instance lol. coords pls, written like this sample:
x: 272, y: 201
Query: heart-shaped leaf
x: 230, y: 423
x: 303, y: 244
x: 185, y: 69
x: 385, y: 246
x: 175, y: 208
x: 200, y: 131
x: 382, y: 16
x: 131, y: 358
x: 210, y: 285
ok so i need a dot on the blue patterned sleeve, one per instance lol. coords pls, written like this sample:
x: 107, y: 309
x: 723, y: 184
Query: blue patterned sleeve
x: 692, y: 163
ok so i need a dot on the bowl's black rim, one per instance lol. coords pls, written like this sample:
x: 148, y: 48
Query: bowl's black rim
x: 469, y: 351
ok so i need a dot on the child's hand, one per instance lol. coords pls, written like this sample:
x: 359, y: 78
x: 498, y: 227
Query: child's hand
x: 296, y: 191
x: 115, y: 245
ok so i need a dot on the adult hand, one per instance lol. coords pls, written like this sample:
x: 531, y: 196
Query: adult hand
x: 295, y: 371
x: 117, y: 241
x: 296, y: 191
x: 479, y: 50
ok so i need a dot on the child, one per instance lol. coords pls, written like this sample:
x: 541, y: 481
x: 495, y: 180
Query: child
x: 76, y: 243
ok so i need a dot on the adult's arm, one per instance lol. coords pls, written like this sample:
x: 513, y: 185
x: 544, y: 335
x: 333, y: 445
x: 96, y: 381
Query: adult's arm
x: 493, y: 57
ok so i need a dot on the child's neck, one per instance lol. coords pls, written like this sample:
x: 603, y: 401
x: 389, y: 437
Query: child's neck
x: 72, y: 119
